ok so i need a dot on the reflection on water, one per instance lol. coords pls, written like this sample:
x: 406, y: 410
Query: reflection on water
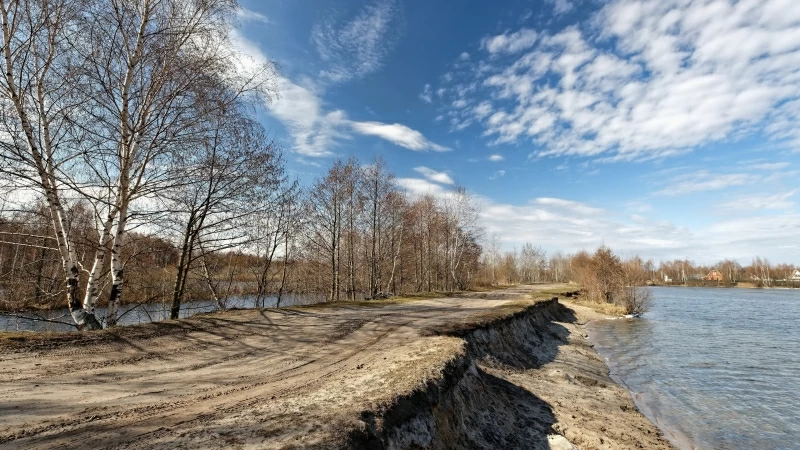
x: 714, y: 368
x: 132, y: 315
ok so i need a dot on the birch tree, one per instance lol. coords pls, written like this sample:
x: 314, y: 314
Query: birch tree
x: 156, y: 71
x: 39, y: 95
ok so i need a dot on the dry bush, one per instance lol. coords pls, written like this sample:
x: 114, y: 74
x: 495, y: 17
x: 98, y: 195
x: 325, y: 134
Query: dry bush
x: 636, y: 300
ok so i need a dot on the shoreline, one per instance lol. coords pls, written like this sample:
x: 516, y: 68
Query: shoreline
x: 502, y: 369
x: 602, y: 413
x: 670, y: 432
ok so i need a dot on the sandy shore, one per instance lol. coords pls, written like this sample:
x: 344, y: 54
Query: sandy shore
x: 592, y: 411
x: 491, y: 370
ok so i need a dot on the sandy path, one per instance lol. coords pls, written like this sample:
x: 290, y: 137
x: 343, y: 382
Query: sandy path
x: 275, y: 378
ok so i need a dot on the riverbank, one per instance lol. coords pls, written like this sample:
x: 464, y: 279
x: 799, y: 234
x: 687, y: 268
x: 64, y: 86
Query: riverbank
x: 505, y: 369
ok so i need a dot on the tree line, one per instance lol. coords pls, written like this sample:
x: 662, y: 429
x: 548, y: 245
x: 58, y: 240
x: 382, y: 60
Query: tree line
x: 352, y: 235
x: 133, y: 170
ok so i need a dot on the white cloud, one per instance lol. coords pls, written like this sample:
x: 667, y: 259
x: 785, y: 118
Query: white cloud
x: 561, y: 7
x: 496, y: 158
x: 498, y: 174
x: 358, y: 47
x: 426, y: 95
x: 510, y: 42
x: 703, y: 180
x: 315, y: 131
x: 566, y: 226
x: 770, y: 166
x: 248, y: 15
x: 418, y: 187
x: 398, y: 134
x: 464, y: 56
x: 646, y: 79
x: 432, y: 175
x: 780, y: 201
x: 569, y: 206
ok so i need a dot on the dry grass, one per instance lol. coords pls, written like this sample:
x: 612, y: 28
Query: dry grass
x: 400, y: 299
x: 609, y: 309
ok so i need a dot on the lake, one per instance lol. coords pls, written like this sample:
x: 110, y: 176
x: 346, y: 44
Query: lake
x: 713, y: 368
x: 136, y: 314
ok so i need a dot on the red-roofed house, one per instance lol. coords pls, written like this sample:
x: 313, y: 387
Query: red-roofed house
x: 714, y: 275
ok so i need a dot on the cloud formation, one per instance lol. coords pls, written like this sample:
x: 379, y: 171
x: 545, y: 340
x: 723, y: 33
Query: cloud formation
x: 356, y: 48
x: 248, y: 15
x: 704, y: 180
x: 398, y: 134
x: 432, y: 175
x: 314, y: 130
x: 644, y: 79
x: 780, y: 201
x: 427, y: 94
x: 510, y: 42
x: 569, y: 226
x: 418, y: 187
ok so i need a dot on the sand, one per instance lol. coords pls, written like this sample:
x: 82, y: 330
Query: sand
x: 433, y: 373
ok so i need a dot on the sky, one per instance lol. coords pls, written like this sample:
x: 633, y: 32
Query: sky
x: 664, y: 128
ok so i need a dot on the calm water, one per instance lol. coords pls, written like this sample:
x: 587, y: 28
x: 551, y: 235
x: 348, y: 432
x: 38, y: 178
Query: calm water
x: 130, y: 315
x: 714, y: 368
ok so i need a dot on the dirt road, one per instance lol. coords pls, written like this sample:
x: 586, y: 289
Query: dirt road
x: 317, y: 377
x: 274, y: 377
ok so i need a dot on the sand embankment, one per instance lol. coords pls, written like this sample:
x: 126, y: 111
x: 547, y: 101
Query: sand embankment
x: 492, y: 370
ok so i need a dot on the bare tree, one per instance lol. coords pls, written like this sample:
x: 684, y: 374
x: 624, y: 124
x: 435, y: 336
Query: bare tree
x: 226, y: 183
x: 39, y: 96
x: 156, y: 70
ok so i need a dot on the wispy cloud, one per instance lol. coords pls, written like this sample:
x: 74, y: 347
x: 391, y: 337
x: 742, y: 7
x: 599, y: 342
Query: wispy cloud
x: 427, y: 94
x: 496, y: 158
x: 248, y: 15
x: 771, y: 166
x: 398, y: 134
x: 561, y: 7
x: 703, y: 180
x: 644, y: 79
x: 316, y: 131
x: 432, y: 175
x: 567, y: 226
x: 418, y: 187
x: 498, y: 174
x: 569, y: 205
x: 356, y: 48
x: 510, y: 42
x: 781, y: 201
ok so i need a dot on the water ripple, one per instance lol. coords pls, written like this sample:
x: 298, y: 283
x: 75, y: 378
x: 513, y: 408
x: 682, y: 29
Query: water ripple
x: 715, y: 368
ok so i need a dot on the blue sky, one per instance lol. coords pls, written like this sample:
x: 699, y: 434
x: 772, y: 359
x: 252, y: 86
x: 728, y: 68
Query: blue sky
x: 667, y: 128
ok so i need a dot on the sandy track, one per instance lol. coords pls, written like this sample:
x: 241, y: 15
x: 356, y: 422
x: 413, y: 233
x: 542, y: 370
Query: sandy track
x: 272, y: 379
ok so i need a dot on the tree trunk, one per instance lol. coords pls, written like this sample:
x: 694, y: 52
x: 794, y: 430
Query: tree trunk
x: 117, y: 269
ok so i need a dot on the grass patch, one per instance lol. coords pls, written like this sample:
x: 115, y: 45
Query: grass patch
x: 609, y: 309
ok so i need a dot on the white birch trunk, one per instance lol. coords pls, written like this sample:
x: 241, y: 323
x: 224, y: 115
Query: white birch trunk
x: 117, y: 269
x: 93, y: 284
x: 82, y: 317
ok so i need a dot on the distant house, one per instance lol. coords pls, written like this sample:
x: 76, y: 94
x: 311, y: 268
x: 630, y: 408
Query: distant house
x: 795, y: 276
x: 714, y: 275
x: 667, y: 279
